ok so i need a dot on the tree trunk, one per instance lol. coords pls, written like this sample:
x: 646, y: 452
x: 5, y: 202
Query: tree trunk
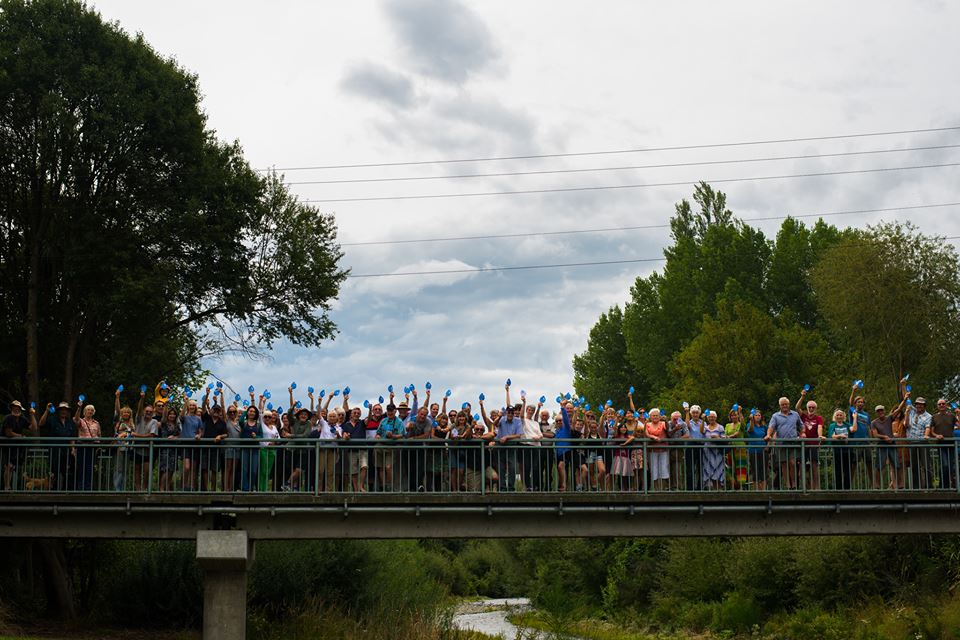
x: 57, y: 579
x: 32, y: 319
x: 69, y: 359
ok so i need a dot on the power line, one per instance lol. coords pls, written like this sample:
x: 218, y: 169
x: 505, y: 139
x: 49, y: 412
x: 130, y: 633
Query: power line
x: 741, y: 143
x: 625, y: 168
x: 523, y: 267
x: 637, y: 227
x: 430, y: 196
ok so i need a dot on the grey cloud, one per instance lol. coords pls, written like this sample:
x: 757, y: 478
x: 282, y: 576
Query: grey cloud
x: 378, y: 84
x: 443, y: 38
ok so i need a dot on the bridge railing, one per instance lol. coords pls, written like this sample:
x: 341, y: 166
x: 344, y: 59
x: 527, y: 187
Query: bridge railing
x: 152, y: 465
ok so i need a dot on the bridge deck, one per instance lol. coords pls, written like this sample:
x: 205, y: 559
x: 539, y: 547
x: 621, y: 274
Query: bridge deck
x: 299, y: 516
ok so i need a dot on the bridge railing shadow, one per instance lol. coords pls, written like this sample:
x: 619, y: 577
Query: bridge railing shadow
x: 475, y: 466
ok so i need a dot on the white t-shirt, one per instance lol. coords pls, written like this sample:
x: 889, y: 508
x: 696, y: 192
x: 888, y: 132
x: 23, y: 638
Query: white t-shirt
x: 531, y: 431
x: 269, y: 432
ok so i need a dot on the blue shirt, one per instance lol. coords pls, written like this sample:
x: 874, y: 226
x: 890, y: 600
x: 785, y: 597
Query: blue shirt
x: 785, y: 425
x: 695, y: 429
x: 756, y: 435
x: 863, y: 423
x: 388, y: 425
x: 510, y: 427
x: 190, y: 427
x: 563, y: 433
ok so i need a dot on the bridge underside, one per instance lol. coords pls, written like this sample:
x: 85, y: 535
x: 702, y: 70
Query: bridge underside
x: 374, y: 516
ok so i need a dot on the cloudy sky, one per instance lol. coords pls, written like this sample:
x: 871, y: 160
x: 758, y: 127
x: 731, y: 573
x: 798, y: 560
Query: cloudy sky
x: 307, y: 84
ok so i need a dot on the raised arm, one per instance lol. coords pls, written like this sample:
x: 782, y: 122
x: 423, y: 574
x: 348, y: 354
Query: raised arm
x: 799, y: 406
x: 76, y: 415
x: 140, y: 406
x: 630, y: 399
x: 507, y: 389
x: 483, y: 415
x: 853, y: 394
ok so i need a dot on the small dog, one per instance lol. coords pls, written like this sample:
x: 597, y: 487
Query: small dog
x: 36, y: 484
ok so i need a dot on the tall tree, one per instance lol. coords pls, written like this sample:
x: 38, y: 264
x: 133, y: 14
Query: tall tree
x: 795, y: 251
x: 133, y: 239
x: 602, y: 372
x: 133, y: 242
x: 744, y: 355
x: 892, y: 298
x: 709, y: 248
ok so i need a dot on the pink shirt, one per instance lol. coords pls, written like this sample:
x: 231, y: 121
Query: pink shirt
x: 88, y: 428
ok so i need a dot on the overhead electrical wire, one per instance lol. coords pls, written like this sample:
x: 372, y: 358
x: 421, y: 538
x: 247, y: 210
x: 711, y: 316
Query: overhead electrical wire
x: 671, y: 165
x: 427, y: 196
x: 637, y: 227
x: 741, y: 143
x: 523, y: 267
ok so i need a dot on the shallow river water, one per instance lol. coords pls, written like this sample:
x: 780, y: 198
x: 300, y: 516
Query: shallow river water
x: 490, y: 616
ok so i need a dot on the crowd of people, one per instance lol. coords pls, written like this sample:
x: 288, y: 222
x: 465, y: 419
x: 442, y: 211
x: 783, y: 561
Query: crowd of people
x: 324, y: 443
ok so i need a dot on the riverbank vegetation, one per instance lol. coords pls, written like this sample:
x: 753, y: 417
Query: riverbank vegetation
x: 870, y: 588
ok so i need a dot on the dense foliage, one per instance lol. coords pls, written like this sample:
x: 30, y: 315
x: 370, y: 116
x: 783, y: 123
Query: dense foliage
x: 134, y: 242
x: 781, y: 587
x: 735, y: 317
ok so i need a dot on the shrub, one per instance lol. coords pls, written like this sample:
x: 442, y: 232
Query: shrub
x: 737, y: 613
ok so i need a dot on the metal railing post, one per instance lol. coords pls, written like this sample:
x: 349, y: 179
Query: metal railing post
x: 483, y: 468
x: 802, y: 488
x: 150, y: 466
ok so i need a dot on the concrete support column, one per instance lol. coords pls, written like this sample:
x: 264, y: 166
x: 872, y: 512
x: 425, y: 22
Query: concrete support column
x: 224, y: 557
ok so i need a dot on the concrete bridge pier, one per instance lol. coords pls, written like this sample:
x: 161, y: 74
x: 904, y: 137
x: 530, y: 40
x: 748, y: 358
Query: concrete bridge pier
x: 224, y: 557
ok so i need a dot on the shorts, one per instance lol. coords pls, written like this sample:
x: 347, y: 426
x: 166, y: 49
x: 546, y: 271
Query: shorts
x: 14, y: 456
x: 358, y: 460
x: 887, y: 453
x: 594, y: 457
x: 383, y: 458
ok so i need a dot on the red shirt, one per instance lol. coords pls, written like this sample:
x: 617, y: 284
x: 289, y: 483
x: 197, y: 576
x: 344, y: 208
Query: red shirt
x: 811, y: 425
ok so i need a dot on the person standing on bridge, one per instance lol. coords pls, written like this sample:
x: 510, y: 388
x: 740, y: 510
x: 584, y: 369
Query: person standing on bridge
x: 87, y: 429
x: 59, y: 424
x: 941, y: 431
x: 168, y: 429
x: 812, y: 434
x: 355, y: 431
x: 918, y: 422
x: 296, y: 454
x: 190, y: 424
x: 713, y: 453
x: 692, y: 434
x: 785, y: 425
x: 882, y: 429
x: 389, y: 431
x: 658, y: 456
x: 862, y: 460
x: 839, y: 433
x: 757, y: 450
x: 145, y: 429
x: 16, y: 426
x: 213, y: 431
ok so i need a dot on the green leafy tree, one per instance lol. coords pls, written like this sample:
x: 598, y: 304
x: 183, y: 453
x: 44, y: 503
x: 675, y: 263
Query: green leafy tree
x: 710, y: 247
x: 602, y: 371
x: 743, y: 355
x: 892, y: 300
x: 135, y: 242
x: 795, y: 251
